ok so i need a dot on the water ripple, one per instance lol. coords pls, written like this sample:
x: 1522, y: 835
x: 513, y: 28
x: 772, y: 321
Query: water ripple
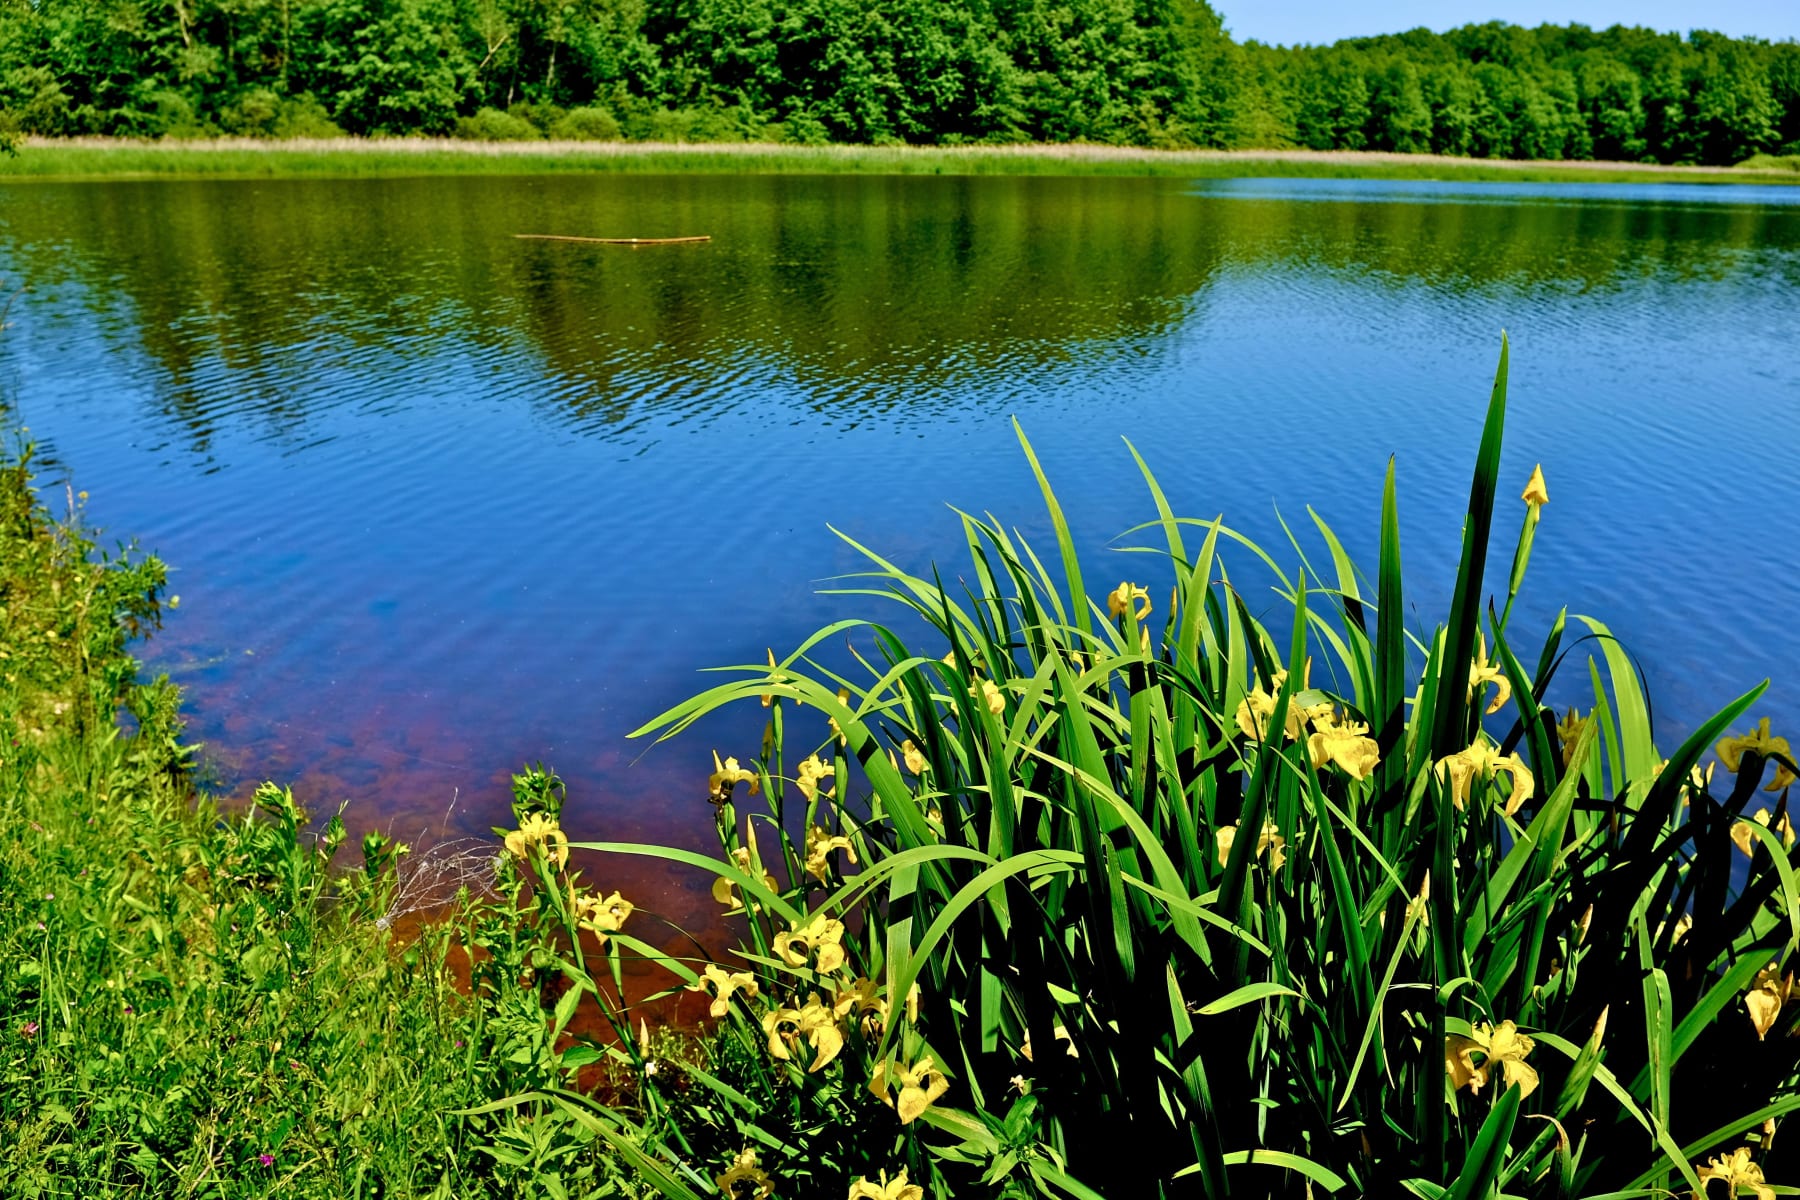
x: 441, y: 502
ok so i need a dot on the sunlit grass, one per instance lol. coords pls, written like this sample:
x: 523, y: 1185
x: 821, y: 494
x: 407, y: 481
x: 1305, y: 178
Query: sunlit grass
x: 95, y: 158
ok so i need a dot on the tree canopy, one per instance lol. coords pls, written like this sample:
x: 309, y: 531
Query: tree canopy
x: 1138, y: 72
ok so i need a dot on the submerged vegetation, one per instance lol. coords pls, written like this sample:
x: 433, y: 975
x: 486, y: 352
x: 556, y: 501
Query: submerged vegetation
x: 1096, y: 890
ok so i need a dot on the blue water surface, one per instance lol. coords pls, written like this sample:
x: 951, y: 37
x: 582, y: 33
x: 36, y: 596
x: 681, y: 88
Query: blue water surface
x: 440, y: 501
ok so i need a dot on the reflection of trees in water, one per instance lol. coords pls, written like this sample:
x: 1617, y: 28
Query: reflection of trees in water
x: 862, y: 296
x: 268, y: 303
x: 1480, y: 245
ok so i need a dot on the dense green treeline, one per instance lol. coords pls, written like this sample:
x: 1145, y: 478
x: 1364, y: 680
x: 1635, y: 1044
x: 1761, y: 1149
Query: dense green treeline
x: 1140, y: 71
x: 1144, y: 72
x: 1501, y: 91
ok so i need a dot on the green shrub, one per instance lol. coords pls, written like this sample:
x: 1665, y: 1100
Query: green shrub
x: 252, y: 114
x: 492, y: 125
x: 261, y: 113
x: 164, y: 112
x: 36, y: 99
x: 1772, y: 162
x: 805, y: 129
x: 1150, y: 894
x: 303, y: 116
x: 540, y: 116
x: 592, y: 124
x: 699, y: 124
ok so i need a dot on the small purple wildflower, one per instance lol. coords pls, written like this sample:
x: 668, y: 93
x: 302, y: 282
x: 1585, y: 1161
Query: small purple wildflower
x: 460, y: 1043
x: 267, y: 1160
x: 49, y: 895
x: 29, y: 1028
x: 128, y: 1010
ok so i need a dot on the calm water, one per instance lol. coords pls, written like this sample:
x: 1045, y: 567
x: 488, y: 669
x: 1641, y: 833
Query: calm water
x: 441, y: 502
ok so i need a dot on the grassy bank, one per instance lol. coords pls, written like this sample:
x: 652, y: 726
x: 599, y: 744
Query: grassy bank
x: 97, y: 158
x: 192, y: 1002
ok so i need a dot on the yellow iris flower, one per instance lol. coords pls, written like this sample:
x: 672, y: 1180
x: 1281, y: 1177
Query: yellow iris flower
x: 1569, y: 731
x: 1482, y: 672
x: 1270, y: 840
x: 915, y: 758
x: 861, y: 1001
x: 725, y: 890
x: 1736, y: 1172
x: 888, y: 1189
x: 1732, y: 750
x: 819, y: 934
x: 812, y: 1021
x: 744, y: 1179
x: 1768, y: 993
x: 1347, y: 744
x: 1746, y: 842
x: 1257, y: 706
x: 989, y: 693
x: 1535, y: 493
x: 600, y: 916
x: 725, y: 777
x: 1480, y: 761
x: 920, y: 1085
x: 819, y: 845
x: 768, y: 698
x: 1504, y: 1047
x: 724, y: 984
x: 843, y: 695
x: 539, y: 831
x: 1125, y: 598
x: 808, y: 774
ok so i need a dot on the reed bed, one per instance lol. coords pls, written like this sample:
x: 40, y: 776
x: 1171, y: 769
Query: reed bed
x: 43, y: 158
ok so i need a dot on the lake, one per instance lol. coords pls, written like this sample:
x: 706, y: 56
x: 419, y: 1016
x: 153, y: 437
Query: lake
x: 440, y: 502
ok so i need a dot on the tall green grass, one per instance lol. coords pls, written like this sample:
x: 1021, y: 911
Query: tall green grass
x: 350, y: 158
x: 1121, y: 891
x: 193, y: 1000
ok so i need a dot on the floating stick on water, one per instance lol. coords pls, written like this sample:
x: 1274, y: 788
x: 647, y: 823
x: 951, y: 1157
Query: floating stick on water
x: 563, y: 237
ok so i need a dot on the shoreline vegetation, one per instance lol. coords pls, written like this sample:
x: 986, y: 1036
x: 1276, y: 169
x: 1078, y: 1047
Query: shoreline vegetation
x: 1151, y: 73
x: 101, y: 158
x: 191, y: 1001
x: 1355, y: 907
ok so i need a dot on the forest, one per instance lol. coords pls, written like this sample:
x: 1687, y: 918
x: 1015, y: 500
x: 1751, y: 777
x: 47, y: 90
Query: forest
x: 1157, y: 73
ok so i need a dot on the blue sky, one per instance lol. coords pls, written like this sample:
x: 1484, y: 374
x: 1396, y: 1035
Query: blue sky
x: 1289, y: 21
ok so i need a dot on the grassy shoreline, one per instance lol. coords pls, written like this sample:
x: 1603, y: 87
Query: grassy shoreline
x: 193, y: 999
x: 239, y: 158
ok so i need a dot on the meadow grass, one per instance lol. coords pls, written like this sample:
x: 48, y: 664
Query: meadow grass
x: 99, y: 158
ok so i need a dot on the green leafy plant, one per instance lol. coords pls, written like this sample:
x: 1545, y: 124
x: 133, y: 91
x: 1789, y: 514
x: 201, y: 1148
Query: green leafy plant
x: 1340, y: 908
